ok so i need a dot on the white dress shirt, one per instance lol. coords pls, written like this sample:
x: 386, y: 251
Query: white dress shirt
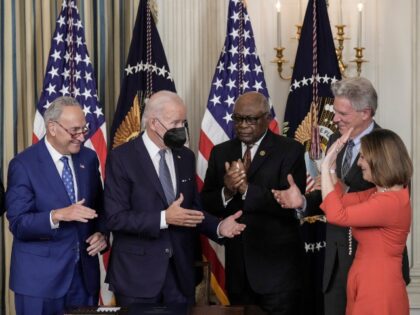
x: 56, y: 156
x: 153, y: 151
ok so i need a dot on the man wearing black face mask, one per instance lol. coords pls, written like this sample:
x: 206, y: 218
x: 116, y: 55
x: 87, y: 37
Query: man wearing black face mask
x: 151, y: 204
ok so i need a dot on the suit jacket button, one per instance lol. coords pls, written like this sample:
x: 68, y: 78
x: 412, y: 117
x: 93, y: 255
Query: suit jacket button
x: 168, y: 252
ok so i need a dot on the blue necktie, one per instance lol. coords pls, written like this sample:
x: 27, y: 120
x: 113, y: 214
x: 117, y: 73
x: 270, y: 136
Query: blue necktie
x: 67, y: 178
x: 165, y: 178
x: 347, y: 159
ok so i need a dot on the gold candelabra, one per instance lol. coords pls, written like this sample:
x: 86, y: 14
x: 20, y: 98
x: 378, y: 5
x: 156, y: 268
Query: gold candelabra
x: 359, y: 59
x: 280, y: 61
x: 340, y: 38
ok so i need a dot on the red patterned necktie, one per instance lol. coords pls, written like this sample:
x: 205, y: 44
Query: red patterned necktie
x: 247, y: 157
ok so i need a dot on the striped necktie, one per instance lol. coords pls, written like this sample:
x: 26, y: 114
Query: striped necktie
x: 247, y: 157
x: 165, y: 178
x: 347, y: 159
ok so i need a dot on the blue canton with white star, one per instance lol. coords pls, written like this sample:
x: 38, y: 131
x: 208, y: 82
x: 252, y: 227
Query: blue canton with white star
x: 69, y: 33
x: 225, y: 87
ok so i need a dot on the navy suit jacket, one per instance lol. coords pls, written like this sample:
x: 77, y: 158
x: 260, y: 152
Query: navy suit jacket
x: 269, y: 251
x: 134, y: 199
x: 43, y: 259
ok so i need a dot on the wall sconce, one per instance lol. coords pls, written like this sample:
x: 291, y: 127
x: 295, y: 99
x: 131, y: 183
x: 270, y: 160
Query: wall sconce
x: 340, y: 38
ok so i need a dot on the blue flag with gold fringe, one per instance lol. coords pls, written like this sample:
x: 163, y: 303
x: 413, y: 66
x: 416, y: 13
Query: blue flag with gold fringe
x: 309, y: 119
x: 146, y: 72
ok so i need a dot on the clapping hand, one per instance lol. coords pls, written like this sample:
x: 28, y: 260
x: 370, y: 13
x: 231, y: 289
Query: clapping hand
x: 329, y: 161
x: 234, y: 179
x: 290, y: 198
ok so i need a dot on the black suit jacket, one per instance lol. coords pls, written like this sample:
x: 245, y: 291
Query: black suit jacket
x: 269, y: 251
x: 134, y: 199
x: 336, y: 251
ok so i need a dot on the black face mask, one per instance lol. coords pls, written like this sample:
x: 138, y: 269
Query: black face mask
x: 174, y: 137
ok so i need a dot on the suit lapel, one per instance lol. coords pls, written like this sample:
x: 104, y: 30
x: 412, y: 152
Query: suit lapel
x: 339, y: 161
x: 49, y: 170
x: 236, y: 152
x: 177, y: 157
x: 148, y: 167
x: 80, y: 174
x: 263, y: 152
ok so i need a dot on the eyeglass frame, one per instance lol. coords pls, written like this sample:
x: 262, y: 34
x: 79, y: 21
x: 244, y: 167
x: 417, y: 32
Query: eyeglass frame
x: 84, y: 130
x: 249, y: 120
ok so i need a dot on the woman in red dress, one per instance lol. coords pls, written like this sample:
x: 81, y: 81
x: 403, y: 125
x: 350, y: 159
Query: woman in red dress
x: 380, y: 219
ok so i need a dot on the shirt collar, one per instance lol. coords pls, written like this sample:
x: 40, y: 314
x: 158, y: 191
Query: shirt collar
x: 56, y: 156
x: 151, y: 147
x: 255, y: 144
x: 357, y: 139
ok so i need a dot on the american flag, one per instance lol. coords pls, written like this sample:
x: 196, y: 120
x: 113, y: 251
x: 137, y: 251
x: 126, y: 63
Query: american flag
x: 70, y: 73
x: 238, y: 71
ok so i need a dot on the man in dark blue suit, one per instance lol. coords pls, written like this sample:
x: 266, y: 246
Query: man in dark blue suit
x: 150, y: 197
x: 53, y: 200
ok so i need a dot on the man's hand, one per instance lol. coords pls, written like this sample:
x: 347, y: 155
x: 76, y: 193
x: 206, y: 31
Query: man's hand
x: 229, y: 227
x: 290, y: 198
x: 176, y: 215
x: 97, y: 242
x: 75, y: 212
x: 235, y: 176
x: 243, y: 186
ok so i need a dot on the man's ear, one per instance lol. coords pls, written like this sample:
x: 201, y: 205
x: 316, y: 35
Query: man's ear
x: 51, y: 126
x: 366, y: 113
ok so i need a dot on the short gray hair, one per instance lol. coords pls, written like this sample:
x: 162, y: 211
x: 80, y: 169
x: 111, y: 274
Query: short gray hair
x: 156, y: 104
x: 55, y: 110
x: 256, y: 98
x: 359, y: 91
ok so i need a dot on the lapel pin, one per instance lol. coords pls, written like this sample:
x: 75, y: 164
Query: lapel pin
x: 178, y: 156
x: 82, y: 166
x: 262, y: 153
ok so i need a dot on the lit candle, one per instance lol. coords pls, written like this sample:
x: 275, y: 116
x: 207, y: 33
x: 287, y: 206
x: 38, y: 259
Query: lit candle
x: 278, y: 7
x: 340, y: 13
x: 359, y: 25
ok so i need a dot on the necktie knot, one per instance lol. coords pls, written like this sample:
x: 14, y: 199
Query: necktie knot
x: 65, y: 160
x: 162, y: 153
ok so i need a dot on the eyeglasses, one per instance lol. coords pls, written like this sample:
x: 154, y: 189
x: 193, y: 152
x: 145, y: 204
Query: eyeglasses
x: 75, y: 132
x: 175, y: 124
x: 250, y: 120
